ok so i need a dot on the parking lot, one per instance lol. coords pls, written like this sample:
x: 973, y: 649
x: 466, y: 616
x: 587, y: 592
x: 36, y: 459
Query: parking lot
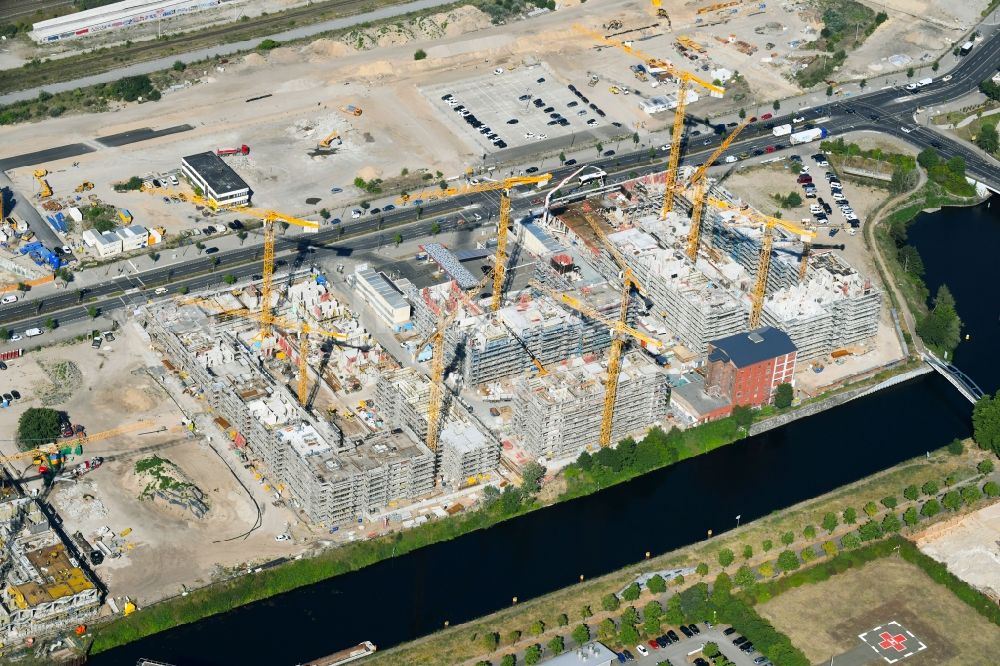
x: 687, y: 650
x: 542, y: 107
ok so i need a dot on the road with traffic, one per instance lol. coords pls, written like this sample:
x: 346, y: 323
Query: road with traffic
x: 886, y: 111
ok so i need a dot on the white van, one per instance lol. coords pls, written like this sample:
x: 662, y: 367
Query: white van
x: 32, y: 332
x: 159, y: 291
x: 173, y: 180
x: 9, y: 298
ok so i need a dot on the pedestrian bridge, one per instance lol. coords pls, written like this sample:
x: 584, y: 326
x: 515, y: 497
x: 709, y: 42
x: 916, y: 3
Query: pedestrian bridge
x: 956, y: 377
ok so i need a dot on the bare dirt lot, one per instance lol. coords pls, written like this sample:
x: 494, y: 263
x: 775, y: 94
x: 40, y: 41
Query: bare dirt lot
x: 166, y: 548
x: 824, y: 619
x: 970, y: 546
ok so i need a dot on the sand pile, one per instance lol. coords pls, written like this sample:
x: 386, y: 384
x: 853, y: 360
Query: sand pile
x: 369, y: 173
x: 436, y: 26
x: 324, y: 49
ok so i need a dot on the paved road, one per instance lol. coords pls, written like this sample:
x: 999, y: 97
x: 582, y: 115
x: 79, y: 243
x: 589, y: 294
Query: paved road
x: 128, y: 291
x: 225, y: 49
x: 882, y: 111
x: 141, y: 134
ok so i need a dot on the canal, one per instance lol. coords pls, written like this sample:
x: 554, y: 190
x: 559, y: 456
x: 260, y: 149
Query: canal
x: 959, y: 246
x: 410, y: 596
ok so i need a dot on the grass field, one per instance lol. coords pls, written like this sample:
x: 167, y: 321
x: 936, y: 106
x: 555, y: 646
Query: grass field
x: 824, y: 619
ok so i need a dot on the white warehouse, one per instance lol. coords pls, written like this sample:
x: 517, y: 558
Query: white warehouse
x: 113, y: 17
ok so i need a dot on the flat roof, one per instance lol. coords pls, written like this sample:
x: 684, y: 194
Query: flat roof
x: 383, y: 286
x: 592, y: 654
x: 219, y: 175
x: 746, y: 349
x: 693, y: 393
x: 541, y: 235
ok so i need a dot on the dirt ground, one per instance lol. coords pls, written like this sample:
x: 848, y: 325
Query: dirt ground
x: 919, y: 30
x: 108, y: 388
x: 970, y: 546
x: 824, y: 619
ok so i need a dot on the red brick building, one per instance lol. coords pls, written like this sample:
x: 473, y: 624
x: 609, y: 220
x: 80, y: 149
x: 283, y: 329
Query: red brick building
x: 746, y: 368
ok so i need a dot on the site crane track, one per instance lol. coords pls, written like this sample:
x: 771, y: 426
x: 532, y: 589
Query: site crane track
x: 100, y: 61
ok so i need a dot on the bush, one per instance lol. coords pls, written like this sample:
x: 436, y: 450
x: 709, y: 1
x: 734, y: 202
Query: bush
x: 910, y: 517
x: 767, y: 545
x: 955, y: 447
x: 701, y: 569
x: 952, y: 500
x: 889, y: 502
x: 420, y: 54
x: 631, y: 593
x: 656, y: 584
x: 726, y: 557
x: 870, y: 531
x: 556, y: 645
x: 610, y: 602
x: 788, y: 561
x: 930, y: 508
x: 787, y: 538
x: 131, y: 88
x: 808, y: 554
x: 991, y: 489
x: 911, y: 492
x: 850, y: 541
x: 267, y: 45
x: 537, y: 628
x: 850, y: 516
x: 971, y: 494
x: 890, y: 523
x: 830, y: 548
x: 930, y: 488
x: 871, y: 509
x: 985, y: 467
x: 581, y: 634
x: 809, y: 532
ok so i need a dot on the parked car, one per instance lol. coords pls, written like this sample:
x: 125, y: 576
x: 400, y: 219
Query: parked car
x: 767, y: 116
x: 641, y: 649
x: 16, y: 394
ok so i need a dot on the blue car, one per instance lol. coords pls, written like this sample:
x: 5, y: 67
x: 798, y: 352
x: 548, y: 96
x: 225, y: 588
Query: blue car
x: 388, y: 207
x: 621, y: 658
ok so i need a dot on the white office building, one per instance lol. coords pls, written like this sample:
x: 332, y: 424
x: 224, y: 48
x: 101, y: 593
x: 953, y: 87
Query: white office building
x: 216, y: 179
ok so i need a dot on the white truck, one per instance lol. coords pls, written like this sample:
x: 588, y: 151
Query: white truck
x: 782, y: 130
x: 32, y: 332
x: 925, y: 82
x: 805, y: 136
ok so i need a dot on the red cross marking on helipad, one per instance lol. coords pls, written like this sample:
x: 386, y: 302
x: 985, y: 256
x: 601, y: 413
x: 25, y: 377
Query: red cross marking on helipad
x: 889, y: 641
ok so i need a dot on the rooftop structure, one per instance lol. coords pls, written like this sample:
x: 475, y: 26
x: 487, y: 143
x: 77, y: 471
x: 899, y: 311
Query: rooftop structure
x: 382, y: 295
x: 746, y: 368
x: 559, y: 415
x: 115, y: 16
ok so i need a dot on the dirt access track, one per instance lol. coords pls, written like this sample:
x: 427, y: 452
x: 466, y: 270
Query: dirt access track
x: 110, y: 387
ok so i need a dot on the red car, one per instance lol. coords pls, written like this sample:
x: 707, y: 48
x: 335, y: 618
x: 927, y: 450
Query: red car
x: 766, y: 116
x: 769, y: 149
x: 805, y: 178
x: 753, y: 119
x: 653, y: 644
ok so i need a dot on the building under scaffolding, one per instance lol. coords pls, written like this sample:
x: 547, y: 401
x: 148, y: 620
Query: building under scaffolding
x: 559, y: 414
x: 330, y: 477
x: 466, y: 449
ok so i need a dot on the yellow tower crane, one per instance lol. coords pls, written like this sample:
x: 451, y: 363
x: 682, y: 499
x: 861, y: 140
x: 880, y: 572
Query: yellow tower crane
x: 619, y: 329
x: 303, y: 328
x: 503, y: 186
x: 700, y: 184
x: 767, y: 242
x: 269, y: 217
x: 37, y: 452
x: 437, y: 340
x: 685, y: 79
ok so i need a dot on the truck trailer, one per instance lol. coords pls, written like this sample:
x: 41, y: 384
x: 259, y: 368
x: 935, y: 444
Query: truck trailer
x: 806, y: 136
x: 782, y: 130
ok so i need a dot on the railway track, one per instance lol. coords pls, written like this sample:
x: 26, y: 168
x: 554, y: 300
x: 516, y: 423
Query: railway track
x: 97, y: 62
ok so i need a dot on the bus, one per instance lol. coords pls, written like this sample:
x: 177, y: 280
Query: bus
x: 966, y: 48
x: 592, y: 176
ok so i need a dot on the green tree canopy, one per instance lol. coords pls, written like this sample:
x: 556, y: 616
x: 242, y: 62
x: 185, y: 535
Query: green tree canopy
x: 610, y: 602
x: 656, y: 584
x: 783, y: 395
x: 744, y: 576
x: 533, y: 654
x: 631, y: 593
x: 532, y: 473
x: 581, y: 634
x: 37, y: 426
x: 556, y: 645
x: 987, y: 138
x: 788, y: 560
x: 986, y: 423
x: 941, y: 328
x: 726, y: 557
x: 830, y: 522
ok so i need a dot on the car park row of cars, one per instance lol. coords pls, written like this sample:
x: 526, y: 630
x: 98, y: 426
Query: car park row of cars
x: 689, y: 631
x: 593, y: 107
x: 473, y: 122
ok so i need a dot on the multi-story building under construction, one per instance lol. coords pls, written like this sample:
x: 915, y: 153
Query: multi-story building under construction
x: 559, y: 414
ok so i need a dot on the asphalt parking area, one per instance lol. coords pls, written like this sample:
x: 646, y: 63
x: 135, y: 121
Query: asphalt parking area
x: 531, y: 95
x: 683, y: 652
x: 892, y: 642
